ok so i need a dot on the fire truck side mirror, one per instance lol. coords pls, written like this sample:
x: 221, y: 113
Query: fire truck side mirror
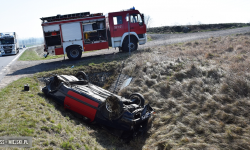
x: 142, y: 17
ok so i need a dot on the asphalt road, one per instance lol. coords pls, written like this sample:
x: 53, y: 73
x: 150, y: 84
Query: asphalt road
x: 6, y: 61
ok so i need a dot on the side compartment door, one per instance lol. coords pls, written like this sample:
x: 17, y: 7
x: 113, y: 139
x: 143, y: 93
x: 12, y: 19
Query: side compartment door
x: 71, y: 32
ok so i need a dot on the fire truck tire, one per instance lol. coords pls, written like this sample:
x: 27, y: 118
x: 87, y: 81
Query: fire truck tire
x: 74, y: 53
x: 133, y: 44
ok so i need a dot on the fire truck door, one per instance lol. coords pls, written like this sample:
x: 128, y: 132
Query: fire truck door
x: 118, y: 29
x: 135, y: 20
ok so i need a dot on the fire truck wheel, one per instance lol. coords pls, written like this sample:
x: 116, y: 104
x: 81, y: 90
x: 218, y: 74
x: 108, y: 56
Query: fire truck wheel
x: 74, y: 53
x: 133, y: 44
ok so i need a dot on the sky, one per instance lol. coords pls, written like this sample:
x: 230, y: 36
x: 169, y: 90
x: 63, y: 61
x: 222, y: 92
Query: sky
x: 23, y: 16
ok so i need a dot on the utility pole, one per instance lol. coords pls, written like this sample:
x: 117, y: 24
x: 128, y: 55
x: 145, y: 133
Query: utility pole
x: 128, y: 32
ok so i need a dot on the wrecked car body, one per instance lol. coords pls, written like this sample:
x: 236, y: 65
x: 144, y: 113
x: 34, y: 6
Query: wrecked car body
x: 95, y: 104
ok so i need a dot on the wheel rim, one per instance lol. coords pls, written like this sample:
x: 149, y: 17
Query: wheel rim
x: 136, y: 98
x: 131, y: 46
x: 74, y: 53
x: 80, y: 77
x: 108, y: 107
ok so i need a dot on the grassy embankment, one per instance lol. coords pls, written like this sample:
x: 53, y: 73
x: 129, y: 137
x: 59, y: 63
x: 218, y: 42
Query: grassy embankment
x: 195, y: 28
x: 200, y: 91
x: 31, y: 114
x: 36, y: 53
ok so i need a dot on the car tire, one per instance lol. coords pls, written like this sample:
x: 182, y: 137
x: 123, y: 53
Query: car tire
x: 81, y: 75
x: 133, y: 43
x: 114, y: 107
x: 74, y: 53
x: 138, y: 99
x: 45, y: 91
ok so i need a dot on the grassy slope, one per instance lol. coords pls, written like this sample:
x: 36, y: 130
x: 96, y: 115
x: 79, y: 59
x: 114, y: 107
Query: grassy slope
x: 197, y: 28
x: 31, y: 55
x: 31, y: 114
x: 200, y: 91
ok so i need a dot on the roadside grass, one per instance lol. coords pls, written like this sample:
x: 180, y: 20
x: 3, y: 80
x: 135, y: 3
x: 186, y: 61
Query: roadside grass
x: 104, y: 64
x: 29, y: 45
x: 200, y: 91
x: 197, y: 29
x: 31, y: 114
x: 149, y: 38
x: 31, y: 55
x: 37, y: 53
x: 193, y: 31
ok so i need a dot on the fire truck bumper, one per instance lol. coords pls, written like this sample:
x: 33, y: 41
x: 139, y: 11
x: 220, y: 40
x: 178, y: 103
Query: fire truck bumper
x: 143, y: 40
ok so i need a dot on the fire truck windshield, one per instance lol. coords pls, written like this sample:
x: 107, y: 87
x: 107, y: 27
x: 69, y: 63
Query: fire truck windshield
x: 7, y: 41
x: 135, y: 18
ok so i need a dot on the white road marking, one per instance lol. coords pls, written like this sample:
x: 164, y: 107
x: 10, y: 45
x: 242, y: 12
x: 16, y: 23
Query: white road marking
x: 16, y: 57
x: 5, y: 68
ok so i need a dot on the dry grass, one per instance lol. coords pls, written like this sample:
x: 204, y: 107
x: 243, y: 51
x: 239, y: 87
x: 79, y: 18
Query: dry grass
x: 200, y: 91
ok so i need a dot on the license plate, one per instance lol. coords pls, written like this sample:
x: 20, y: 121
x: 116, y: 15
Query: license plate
x: 8, y: 51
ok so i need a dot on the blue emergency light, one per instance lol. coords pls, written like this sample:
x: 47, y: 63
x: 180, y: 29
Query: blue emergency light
x: 133, y: 8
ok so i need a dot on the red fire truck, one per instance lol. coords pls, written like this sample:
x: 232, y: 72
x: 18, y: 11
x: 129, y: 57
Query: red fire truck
x: 72, y: 34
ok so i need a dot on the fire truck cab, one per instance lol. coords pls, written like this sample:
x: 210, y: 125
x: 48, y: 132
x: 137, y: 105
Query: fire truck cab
x: 73, y: 34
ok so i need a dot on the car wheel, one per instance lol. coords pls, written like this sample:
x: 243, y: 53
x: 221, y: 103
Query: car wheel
x: 74, y: 53
x: 81, y: 75
x: 45, y: 91
x: 114, y: 106
x: 138, y: 99
x: 133, y: 44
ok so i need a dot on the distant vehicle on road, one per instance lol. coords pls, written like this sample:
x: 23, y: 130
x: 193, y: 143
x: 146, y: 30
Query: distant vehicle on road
x: 24, y: 46
x: 9, y: 43
x: 20, y: 47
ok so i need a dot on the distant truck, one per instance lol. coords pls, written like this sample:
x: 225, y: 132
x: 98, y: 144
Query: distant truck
x: 72, y: 34
x: 9, y: 43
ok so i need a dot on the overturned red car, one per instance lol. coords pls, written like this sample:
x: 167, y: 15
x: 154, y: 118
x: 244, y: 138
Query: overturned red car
x: 95, y: 104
